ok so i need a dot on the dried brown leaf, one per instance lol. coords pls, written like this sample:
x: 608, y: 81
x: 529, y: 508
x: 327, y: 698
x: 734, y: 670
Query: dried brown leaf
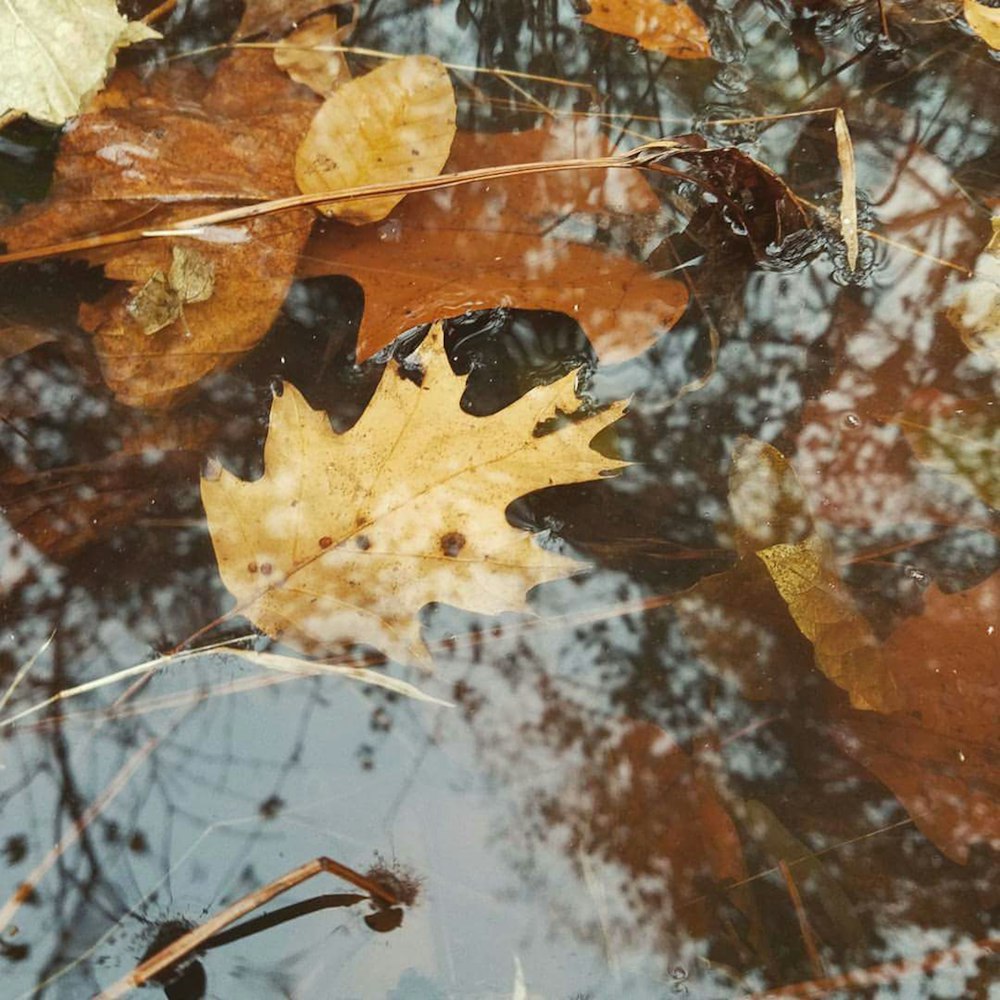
x: 16, y: 338
x: 143, y: 153
x: 396, y: 123
x: 657, y: 25
x: 848, y: 189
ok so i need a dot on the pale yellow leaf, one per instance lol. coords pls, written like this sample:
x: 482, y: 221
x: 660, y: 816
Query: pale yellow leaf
x: 984, y: 21
x: 55, y: 53
x: 307, y: 54
x: 773, y: 521
x: 671, y: 28
x: 346, y: 537
x: 396, y: 123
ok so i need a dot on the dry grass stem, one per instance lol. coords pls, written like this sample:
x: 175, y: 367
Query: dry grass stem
x: 191, y: 941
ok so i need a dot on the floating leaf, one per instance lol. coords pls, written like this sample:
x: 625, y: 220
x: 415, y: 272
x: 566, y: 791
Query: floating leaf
x: 984, y: 21
x: 161, y: 300
x: 306, y: 57
x: 958, y: 437
x: 143, y: 154
x: 396, y: 123
x: 774, y: 523
x: 56, y: 53
x: 484, y: 245
x: 938, y: 753
x: 671, y: 28
x: 975, y: 305
x: 345, y: 537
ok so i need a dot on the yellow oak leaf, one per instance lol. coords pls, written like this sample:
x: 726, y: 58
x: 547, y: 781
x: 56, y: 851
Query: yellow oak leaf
x: 396, y: 123
x: 345, y: 537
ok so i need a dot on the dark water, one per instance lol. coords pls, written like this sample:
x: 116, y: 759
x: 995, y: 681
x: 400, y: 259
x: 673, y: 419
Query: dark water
x: 604, y: 812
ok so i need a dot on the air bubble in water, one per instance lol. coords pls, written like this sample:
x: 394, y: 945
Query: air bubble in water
x: 852, y: 421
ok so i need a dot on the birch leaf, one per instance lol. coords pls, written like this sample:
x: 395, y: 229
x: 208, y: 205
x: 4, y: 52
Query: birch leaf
x: 346, y: 536
x: 55, y: 53
x: 396, y: 123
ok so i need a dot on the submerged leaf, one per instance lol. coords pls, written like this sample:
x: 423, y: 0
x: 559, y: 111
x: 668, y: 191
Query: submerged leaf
x: 275, y: 17
x: 396, y: 123
x: 958, y: 437
x: 672, y: 28
x: 984, y: 21
x: 485, y: 245
x: 56, y: 53
x: 345, y: 537
x: 773, y: 519
x: 140, y: 153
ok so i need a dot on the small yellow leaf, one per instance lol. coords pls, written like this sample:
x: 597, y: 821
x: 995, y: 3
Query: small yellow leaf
x: 984, y: 21
x: 975, y: 305
x: 671, y: 28
x: 772, y: 516
x: 346, y: 536
x: 306, y: 54
x: 396, y: 123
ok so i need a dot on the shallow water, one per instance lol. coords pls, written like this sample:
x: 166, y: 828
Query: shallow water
x: 605, y: 811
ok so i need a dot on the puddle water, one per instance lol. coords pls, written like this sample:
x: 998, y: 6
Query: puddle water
x: 749, y: 746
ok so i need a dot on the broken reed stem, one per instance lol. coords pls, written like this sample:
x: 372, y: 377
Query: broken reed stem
x: 640, y: 157
x: 805, y: 928
x: 885, y: 974
x: 194, y: 939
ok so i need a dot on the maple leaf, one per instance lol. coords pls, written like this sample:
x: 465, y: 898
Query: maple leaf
x: 671, y: 28
x: 56, y: 53
x: 345, y: 537
x: 484, y: 245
